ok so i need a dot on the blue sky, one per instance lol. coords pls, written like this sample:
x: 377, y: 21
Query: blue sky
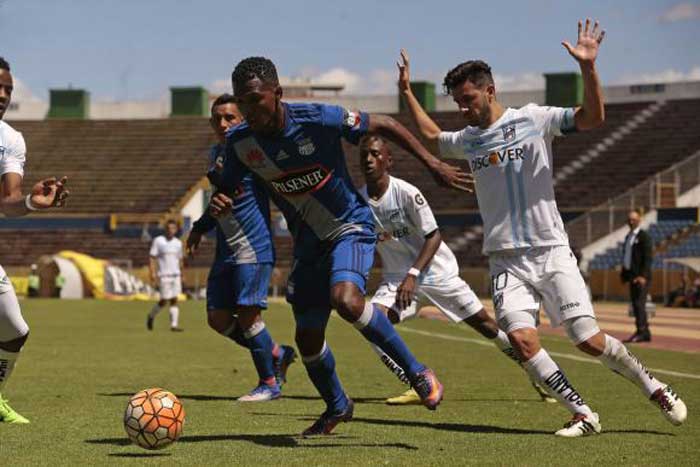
x: 136, y: 49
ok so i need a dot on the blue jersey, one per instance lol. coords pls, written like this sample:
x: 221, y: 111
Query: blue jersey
x: 305, y: 172
x: 244, y: 235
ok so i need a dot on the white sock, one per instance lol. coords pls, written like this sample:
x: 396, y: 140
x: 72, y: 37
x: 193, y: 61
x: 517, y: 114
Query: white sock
x: 154, y: 311
x: 7, y: 364
x: 391, y: 364
x: 545, y: 371
x: 625, y: 363
x: 174, y: 315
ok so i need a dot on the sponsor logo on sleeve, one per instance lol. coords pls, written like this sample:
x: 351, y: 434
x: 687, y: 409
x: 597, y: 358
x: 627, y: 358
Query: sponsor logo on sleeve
x: 419, y: 199
x: 352, y: 119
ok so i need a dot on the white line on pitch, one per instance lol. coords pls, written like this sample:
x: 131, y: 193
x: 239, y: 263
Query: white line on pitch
x: 554, y: 354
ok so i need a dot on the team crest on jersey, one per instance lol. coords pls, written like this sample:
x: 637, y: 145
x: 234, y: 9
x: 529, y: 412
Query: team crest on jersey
x: 307, y: 180
x: 508, y: 133
x: 352, y: 119
x: 395, y: 216
x: 256, y: 158
x: 306, y: 147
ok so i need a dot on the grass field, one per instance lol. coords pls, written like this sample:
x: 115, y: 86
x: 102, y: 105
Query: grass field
x: 84, y: 358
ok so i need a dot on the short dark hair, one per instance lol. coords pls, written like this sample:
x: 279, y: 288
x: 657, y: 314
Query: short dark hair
x: 4, y: 64
x: 225, y: 98
x: 475, y: 71
x: 368, y: 139
x: 254, y: 67
x: 171, y: 221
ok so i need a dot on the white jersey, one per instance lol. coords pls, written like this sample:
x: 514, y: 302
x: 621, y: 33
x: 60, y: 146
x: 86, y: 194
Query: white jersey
x: 168, y: 253
x: 512, y: 165
x: 13, y: 151
x: 402, y: 219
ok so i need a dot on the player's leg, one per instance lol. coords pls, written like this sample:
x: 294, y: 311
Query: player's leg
x: 221, y: 304
x: 352, y: 259
x: 260, y: 344
x: 155, y: 309
x: 307, y: 292
x: 517, y: 304
x: 567, y: 301
x: 585, y: 334
x: 13, y: 334
x: 174, y: 312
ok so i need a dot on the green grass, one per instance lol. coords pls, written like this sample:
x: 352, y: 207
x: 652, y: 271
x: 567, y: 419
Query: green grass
x: 84, y: 358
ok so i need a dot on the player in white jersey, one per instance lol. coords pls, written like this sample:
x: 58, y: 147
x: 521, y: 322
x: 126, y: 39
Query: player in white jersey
x: 165, y: 265
x: 45, y: 194
x: 530, y: 260
x: 418, y: 268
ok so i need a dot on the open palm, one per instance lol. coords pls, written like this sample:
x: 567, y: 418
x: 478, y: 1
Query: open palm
x: 588, y: 43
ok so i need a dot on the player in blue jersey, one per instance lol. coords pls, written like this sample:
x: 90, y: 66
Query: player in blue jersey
x: 296, y: 150
x: 239, y: 278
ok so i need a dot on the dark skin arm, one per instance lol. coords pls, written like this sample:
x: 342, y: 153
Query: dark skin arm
x: 444, y: 174
x: 405, y: 292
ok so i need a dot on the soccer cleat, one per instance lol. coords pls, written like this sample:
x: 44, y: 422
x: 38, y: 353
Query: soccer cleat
x: 671, y: 405
x: 544, y: 395
x: 409, y: 397
x: 8, y: 415
x: 327, y: 422
x: 581, y: 425
x: 149, y: 323
x: 176, y: 329
x: 262, y: 393
x: 287, y: 357
x: 428, y: 388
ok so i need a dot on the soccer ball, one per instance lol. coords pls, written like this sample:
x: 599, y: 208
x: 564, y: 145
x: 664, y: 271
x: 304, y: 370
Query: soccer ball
x: 153, y: 418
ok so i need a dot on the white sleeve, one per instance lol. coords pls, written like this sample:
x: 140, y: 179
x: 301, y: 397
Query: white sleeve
x: 418, y: 210
x: 450, y: 145
x: 13, y: 156
x: 154, y: 248
x: 179, y: 253
x: 553, y: 121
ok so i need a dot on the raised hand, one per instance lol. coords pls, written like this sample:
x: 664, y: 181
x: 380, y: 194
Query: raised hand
x: 588, y: 43
x: 49, y: 193
x: 404, y: 72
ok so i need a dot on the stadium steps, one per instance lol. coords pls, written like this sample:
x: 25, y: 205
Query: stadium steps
x: 608, y: 142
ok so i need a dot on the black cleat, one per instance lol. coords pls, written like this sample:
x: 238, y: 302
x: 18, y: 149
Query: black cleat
x: 326, y: 423
x: 149, y: 323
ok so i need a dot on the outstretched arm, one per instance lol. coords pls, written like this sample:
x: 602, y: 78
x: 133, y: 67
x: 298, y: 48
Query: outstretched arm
x: 45, y: 194
x: 444, y: 174
x: 592, y: 113
x: 427, y: 127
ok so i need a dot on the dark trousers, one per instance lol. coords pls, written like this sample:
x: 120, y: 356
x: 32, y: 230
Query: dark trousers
x: 638, y: 295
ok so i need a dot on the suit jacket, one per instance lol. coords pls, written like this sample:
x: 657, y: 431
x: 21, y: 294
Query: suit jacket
x: 642, y: 257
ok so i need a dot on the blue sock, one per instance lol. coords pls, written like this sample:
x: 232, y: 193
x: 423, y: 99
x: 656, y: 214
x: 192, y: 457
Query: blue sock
x: 381, y: 332
x: 236, y: 335
x: 321, y: 370
x: 260, y: 346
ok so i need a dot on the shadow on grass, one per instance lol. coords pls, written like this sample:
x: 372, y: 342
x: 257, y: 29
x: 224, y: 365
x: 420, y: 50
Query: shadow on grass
x: 138, y: 455
x: 277, y: 441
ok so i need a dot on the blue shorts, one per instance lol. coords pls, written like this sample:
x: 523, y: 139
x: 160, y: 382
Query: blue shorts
x: 309, y: 287
x: 232, y: 285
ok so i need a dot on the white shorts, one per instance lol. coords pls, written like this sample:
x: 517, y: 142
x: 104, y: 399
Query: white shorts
x: 12, y: 324
x: 525, y: 279
x: 170, y: 287
x: 453, y: 297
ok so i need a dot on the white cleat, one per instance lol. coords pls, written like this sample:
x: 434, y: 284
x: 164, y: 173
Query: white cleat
x: 671, y: 405
x: 581, y: 425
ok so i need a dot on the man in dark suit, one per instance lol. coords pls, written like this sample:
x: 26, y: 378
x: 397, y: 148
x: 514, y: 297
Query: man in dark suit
x: 636, y: 269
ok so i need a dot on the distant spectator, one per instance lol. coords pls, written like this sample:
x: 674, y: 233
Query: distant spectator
x: 677, y: 296
x: 33, y: 282
x: 693, y: 296
x: 59, y: 282
x: 636, y: 269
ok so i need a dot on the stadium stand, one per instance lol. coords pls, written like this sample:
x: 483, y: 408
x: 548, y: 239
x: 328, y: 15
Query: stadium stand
x: 145, y: 168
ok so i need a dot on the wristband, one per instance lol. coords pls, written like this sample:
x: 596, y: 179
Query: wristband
x: 28, y: 203
x: 415, y: 272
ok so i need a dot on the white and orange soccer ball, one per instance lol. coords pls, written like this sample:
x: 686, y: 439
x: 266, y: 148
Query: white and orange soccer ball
x: 154, y: 418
